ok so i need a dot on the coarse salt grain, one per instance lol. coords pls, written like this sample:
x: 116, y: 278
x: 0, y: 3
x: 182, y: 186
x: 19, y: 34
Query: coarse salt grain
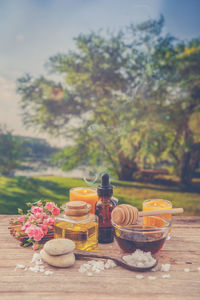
x: 34, y: 269
x: 165, y: 267
x: 38, y: 267
x: 110, y: 264
x: 96, y: 266
x: 20, y: 266
x: 48, y: 272
x: 139, y: 276
x: 41, y: 270
x: 82, y: 269
x: 166, y: 276
x: 186, y: 270
x: 151, y: 277
x: 155, y: 269
x: 36, y: 257
x: 140, y: 259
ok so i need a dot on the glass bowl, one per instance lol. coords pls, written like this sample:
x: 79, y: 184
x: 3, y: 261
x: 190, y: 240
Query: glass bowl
x: 149, y: 237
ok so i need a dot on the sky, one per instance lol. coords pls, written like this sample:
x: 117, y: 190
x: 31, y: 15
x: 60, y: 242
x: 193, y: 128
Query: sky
x: 33, y: 30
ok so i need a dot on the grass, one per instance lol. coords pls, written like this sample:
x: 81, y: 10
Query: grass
x: 16, y: 191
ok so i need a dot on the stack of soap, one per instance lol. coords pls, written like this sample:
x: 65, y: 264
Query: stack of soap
x: 59, y: 253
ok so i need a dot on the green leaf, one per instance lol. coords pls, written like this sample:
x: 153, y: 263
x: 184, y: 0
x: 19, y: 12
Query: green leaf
x: 27, y: 244
x: 20, y: 211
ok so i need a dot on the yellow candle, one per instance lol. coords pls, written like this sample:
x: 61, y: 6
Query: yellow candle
x: 88, y: 195
x: 156, y: 204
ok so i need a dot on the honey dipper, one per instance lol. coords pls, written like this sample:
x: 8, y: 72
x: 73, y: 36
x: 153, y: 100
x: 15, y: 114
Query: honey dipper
x: 125, y: 214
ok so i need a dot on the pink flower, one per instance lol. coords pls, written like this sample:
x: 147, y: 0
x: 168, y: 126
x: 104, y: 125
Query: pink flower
x: 56, y: 211
x: 36, y: 209
x: 50, y: 221
x: 45, y: 228
x: 39, y: 216
x: 49, y: 206
x: 45, y: 216
x: 38, y: 234
x: 39, y: 203
x: 35, y: 232
x: 30, y: 230
x: 45, y: 221
x: 31, y: 218
x: 21, y: 219
x: 26, y: 225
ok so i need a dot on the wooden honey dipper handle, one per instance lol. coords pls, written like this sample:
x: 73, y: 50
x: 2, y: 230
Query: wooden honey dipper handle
x: 161, y: 212
x: 126, y: 214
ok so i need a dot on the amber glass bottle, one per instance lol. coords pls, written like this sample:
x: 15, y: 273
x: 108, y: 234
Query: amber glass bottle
x: 104, y: 207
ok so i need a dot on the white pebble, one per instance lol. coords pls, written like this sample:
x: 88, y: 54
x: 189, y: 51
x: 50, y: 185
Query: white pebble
x: 165, y: 268
x: 139, y: 276
x: 186, y: 270
x: 151, y: 277
x: 198, y: 268
x: 166, y: 276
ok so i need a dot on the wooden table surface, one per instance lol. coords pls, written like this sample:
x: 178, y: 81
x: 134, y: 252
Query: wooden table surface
x: 181, y: 251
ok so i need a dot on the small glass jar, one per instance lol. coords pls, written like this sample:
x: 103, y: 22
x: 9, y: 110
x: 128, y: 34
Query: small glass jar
x: 78, y: 225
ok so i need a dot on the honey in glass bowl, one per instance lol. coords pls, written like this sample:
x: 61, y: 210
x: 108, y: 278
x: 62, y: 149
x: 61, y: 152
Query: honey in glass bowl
x: 148, y: 238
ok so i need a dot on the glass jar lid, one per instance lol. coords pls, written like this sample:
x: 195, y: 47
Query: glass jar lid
x: 77, y: 208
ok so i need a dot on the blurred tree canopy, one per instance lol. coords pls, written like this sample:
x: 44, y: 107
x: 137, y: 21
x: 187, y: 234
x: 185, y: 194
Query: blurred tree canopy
x: 128, y: 100
x: 10, y: 151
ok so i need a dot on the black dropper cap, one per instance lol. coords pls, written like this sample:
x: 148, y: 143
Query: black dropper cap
x: 105, y: 189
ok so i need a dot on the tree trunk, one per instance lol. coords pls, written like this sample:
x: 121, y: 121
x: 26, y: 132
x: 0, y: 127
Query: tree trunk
x: 127, y: 168
x: 188, y: 164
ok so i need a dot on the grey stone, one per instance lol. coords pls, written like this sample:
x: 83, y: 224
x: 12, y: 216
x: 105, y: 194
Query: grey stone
x: 59, y: 246
x: 61, y: 261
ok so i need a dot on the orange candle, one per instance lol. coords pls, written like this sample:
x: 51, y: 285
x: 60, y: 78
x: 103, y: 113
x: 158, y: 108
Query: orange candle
x: 88, y: 195
x: 156, y: 204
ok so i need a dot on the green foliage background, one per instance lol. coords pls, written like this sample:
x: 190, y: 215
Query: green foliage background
x: 127, y: 100
x: 15, y: 192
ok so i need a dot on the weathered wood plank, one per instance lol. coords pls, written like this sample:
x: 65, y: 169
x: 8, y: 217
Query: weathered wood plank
x: 182, y: 251
x: 91, y: 296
